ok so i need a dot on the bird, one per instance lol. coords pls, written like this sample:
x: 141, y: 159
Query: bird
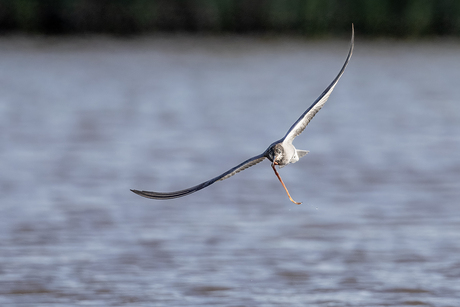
x: 280, y: 153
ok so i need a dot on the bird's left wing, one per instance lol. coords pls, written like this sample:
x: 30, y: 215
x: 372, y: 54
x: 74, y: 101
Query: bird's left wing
x: 305, y: 118
x: 169, y: 195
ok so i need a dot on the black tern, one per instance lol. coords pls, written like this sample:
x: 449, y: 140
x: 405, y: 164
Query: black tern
x: 280, y: 153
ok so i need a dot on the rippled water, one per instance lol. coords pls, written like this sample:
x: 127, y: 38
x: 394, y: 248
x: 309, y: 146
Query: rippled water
x: 84, y: 120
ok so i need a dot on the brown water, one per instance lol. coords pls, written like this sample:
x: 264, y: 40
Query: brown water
x: 83, y: 121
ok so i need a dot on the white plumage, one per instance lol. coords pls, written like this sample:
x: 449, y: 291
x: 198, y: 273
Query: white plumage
x: 281, y: 152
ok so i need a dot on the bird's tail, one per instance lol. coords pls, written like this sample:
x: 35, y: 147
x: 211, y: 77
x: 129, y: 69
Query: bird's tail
x: 301, y: 153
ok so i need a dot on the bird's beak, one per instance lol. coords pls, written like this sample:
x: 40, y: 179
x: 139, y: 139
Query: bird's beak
x: 274, y: 161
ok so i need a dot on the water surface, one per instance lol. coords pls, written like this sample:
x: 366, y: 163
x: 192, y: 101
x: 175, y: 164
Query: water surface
x: 84, y: 120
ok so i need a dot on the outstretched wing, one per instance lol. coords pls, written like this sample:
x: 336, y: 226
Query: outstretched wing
x: 305, y: 118
x: 242, y: 166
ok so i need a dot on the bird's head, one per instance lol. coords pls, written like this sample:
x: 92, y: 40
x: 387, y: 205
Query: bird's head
x: 276, y: 153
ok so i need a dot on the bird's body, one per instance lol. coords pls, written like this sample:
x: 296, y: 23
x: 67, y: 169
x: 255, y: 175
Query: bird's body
x: 281, y: 152
x: 286, y: 153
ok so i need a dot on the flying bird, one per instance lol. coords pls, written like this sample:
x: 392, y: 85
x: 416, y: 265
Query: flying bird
x: 281, y: 152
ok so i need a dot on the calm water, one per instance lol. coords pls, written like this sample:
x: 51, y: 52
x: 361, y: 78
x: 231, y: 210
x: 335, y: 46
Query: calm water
x: 83, y: 121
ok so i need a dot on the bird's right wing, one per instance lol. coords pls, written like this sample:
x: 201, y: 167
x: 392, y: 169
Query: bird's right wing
x: 242, y: 166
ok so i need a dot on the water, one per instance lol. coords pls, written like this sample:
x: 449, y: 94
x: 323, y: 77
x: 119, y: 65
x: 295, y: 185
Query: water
x: 84, y: 120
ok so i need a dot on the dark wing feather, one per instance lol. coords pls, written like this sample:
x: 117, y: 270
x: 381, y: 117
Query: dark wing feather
x: 305, y: 118
x: 242, y: 166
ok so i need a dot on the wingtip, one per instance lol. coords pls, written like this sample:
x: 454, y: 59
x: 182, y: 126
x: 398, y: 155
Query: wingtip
x: 136, y: 191
x: 146, y: 194
x: 352, y: 31
x: 352, y: 43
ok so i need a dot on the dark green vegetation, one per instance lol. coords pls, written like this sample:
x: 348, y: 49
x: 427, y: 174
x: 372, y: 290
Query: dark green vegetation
x: 400, y: 18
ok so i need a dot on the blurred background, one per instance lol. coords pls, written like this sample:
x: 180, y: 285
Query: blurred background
x: 406, y: 18
x: 99, y: 97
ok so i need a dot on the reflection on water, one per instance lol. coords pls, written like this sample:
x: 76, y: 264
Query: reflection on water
x: 83, y: 121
